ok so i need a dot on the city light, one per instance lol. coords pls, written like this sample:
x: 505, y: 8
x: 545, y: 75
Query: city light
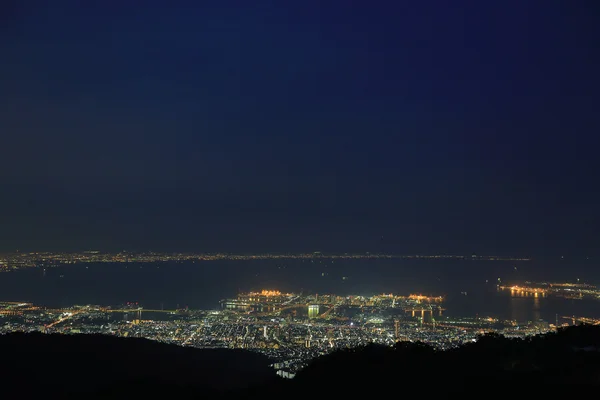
x: 288, y: 327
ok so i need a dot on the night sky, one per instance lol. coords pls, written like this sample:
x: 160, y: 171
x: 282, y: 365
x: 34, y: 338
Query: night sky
x: 251, y: 126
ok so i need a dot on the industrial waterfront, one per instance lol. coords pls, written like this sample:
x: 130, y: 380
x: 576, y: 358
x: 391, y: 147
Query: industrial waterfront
x: 291, y: 328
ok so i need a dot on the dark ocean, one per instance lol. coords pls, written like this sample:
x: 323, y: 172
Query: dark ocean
x: 203, y: 284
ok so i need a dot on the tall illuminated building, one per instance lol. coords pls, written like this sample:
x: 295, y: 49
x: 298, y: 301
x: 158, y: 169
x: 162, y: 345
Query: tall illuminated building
x: 313, y: 311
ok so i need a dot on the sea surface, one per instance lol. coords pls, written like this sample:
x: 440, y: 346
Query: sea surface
x: 470, y: 287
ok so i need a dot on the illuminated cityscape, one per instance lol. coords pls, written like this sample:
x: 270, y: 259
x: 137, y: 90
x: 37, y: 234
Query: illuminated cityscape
x: 291, y: 328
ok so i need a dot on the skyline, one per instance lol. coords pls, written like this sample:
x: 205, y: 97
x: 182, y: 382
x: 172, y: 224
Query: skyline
x: 305, y: 252
x: 316, y: 253
x: 19, y: 260
x: 397, y: 128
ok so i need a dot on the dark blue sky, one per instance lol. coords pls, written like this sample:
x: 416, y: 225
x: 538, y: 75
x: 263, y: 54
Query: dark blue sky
x: 463, y: 126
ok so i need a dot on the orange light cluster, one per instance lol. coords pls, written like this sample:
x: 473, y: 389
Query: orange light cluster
x: 420, y: 297
x: 268, y: 293
x: 525, y: 289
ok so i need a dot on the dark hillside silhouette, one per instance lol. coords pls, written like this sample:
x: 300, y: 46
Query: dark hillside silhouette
x: 542, y: 363
x: 55, y: 366
x: 545, y: 363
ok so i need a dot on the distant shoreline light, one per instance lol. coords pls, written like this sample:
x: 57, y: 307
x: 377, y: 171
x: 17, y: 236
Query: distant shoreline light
x: 20, y: 260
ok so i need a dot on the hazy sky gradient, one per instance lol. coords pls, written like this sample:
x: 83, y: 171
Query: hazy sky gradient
x: 464, y: 126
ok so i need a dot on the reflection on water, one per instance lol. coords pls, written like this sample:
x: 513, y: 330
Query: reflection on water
x: 522, y: 309
x: 248, y: 307
x: 469, y: 287
x: 551, y: 309
x: 536, y: 309
x: 524, y: 305
x: 503, y: 305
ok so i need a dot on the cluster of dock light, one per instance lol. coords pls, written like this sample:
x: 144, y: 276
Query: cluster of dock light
x: 524, y: 290
x: 420, y: 297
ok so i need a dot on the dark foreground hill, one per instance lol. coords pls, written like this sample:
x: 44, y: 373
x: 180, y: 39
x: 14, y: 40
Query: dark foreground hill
x: 96, y: 366
x: 564, y: 362
x: 54, y: 366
